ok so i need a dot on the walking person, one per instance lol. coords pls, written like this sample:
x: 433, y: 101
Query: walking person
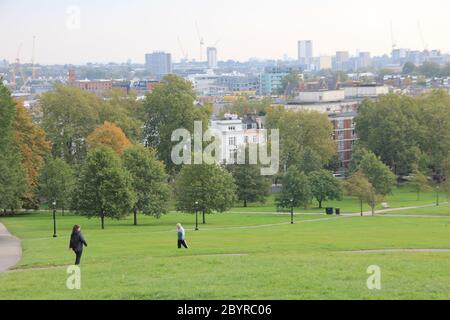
x: 76, y: 243
x: 181, y: 236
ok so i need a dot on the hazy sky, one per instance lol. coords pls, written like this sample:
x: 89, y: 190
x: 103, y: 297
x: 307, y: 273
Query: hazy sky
x: 119, y: 30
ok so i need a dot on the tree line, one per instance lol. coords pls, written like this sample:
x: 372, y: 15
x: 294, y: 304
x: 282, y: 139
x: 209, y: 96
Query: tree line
x: 110, y: 156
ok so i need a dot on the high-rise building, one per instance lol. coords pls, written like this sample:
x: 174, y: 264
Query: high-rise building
x: 305, y: 52
x: 158, y: 63
x: 323, y: 63
x: 212, y: 57
x: 364, y: 60
x: 342, y: 59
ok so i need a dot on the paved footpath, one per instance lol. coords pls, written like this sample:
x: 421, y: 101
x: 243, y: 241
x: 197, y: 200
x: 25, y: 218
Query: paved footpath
x: 10, y: 249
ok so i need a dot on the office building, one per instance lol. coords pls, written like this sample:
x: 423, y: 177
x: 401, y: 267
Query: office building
x: 158, y: 63
x: 212, y: 57
x: 305, y: 52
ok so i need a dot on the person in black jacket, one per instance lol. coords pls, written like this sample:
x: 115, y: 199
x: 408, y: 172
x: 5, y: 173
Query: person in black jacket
x: 76, y: 243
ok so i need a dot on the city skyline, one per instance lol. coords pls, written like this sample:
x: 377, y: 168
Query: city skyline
x: 104, y: 32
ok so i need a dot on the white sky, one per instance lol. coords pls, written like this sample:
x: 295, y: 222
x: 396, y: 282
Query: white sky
x: 119, y: 30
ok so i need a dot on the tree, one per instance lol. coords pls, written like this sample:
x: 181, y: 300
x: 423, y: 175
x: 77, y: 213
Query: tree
x: 13, y: 182
x: 379, y: 175
x: 419, y: 182
x: 149, y: 181
x: 310, y: 161
x: 206, y: 188
x: 69, y: 116
x: 296, y: 190
x: 435, y: 120
x: 31, y: 140
x: 251, y: 185
x: 124, y: 110
x: 430, y: 69
x: 302, y: 132
x: 104, y: 187
x: 391, y: 129
x: 359, y: 186
x: 290, y: 84
x: 170, y: 107
x: 108, y: 135
x: 324, y: 186
x: 409, y: 68
x: 57, y: 182
x: 245, y: 106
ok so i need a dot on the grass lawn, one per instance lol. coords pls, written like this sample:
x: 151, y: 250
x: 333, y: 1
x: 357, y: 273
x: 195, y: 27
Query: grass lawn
x: 235, y: 256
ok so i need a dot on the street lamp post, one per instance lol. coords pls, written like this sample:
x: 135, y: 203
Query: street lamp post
x: 196, y: 216
x: 292, y: 211
x: 54, y: 219
x: 437, y: 196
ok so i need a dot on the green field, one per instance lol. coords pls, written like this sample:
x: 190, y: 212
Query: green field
x: 248, y: 253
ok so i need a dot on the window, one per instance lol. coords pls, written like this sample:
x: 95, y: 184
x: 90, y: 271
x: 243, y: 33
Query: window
x: 232, y: 128
x: 232, y: 141
x: 255, y: 139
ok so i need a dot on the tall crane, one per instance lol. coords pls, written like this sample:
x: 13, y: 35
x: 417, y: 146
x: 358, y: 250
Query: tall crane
x: 33, y: 66
x: 183, y: 52
x: 424, y: 44
x: 201, y: 40
x: 394, y: 43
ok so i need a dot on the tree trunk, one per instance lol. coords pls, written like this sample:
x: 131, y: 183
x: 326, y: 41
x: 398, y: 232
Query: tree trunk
x: 103, y: 220
x: 204, y: 218
x: 245, y: 203
x: 135, y: 216
x: 62, y: 211
x: 320, y: 204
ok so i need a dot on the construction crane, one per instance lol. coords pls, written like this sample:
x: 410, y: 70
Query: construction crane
x: 183, y: 52
x: 201, y: 40
x: 422, y: 39
x: 33, y: 66
x: 394, y: 43
x: 15, y: 67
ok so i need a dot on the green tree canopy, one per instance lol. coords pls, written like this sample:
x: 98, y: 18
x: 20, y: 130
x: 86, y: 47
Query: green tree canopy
x: 13, y: 183
x: 391, y: 129
x: 170, y: 107
x: 251, y: 185
x: 206, y: 188
x: 104, y: 187
x: 302, y: 132
x: 419, y: 182
x: 296, y: 190
x: 379, y: 175
x: 359, y: 186
x: 149, y: 181
x: 324, y: 186
x: 57, y: 182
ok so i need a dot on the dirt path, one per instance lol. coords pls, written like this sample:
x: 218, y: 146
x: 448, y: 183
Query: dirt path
x: 10, y: 249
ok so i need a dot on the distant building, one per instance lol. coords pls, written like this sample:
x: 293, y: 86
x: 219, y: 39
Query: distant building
x: 239, y: 82
x: 236, y: 132
x: 362, y: 92
x: 158, y: 63
x: 342, y: 60
x: 364, y: 60
x: 212, y: 57
x: 272, y: 79
x: 305, y: 52
x: 344, y: 135
x: 320, y: 96
x: 323, y: 63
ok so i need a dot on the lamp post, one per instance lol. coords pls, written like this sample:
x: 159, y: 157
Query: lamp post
x: 196, y: 215
x: 292, y: 211
x: 54, y: 219
x: 437, y: 195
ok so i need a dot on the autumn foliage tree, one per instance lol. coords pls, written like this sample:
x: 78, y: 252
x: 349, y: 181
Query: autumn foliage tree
x: 108, y: 135
x: 33, y: 145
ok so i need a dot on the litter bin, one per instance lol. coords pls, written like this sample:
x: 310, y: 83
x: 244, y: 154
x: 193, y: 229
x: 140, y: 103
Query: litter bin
x: 338, y: 211
x: 329, y: 211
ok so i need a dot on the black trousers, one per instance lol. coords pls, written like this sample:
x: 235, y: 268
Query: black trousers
x: 78, y: 257
x: 182, y: 243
